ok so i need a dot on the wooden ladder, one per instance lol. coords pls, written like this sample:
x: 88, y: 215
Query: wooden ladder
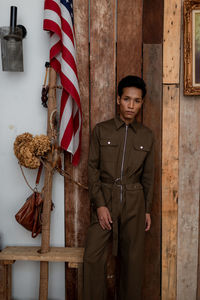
x: 72, y: 256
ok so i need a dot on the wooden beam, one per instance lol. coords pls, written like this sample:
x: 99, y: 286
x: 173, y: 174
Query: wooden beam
x: 129, y: 38
x: 152, y: 117
x: 77, y: 205
x: 48, y: 178
x: 55, y: 254
x: 170, y: 190
x: 171, y: 46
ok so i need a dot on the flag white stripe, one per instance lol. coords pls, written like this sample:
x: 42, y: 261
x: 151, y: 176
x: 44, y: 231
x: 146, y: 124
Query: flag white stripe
x: 52, y: 16
x: 67, y: 70
x: 64, y: 13
x: 66, y: 116
x: 67, y: 42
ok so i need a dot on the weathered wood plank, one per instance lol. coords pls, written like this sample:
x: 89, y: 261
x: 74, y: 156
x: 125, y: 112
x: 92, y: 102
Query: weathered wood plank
x: 102, y: 60
x: 129, y: 38
x: 188, y: 208
x: 76, y: 199
x: 152, y: 117
x: 55, y: 254
x: 80, y: 282
x: 5, y: 281
x: 153, y: 21
x: 103, y: 79
x: 188, y: 276
x: 170, y: 190
x: 171, y: 46
x: 198, y: 268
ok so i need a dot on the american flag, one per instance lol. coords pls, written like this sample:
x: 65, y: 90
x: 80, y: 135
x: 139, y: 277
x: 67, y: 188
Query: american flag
x: 59, y: 20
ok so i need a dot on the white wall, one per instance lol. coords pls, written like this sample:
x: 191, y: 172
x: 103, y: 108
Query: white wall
x: 21, y: 111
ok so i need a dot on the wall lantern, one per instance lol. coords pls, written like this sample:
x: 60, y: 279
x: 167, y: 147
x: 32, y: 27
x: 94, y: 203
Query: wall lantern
x: 11, y: 44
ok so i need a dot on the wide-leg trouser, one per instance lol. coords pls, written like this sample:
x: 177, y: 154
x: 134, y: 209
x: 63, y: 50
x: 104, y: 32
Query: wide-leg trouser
x: 131, y: 218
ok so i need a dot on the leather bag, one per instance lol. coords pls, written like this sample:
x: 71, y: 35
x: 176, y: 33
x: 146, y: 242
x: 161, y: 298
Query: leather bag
x: 29, y: 216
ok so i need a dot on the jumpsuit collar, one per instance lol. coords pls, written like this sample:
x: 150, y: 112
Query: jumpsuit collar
x: 119, y: 123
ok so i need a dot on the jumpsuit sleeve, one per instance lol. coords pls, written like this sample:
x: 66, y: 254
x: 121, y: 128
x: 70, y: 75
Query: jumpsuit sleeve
x: 148, y: 178
x: 94, y: 182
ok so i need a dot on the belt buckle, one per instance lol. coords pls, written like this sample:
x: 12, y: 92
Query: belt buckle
x: 116, y: 181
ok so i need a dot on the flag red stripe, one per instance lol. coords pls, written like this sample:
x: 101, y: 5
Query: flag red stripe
x: 55, y: 65
x: 70, y: 88
x: 66, y: 83
x: 67, y: 29
x: 66, y: 139
x: 51, y: 5
x: 67, y: 56
x: 63, y: 102
x: 55, y: 50
x: 52, y: 26
x: 76, y: 122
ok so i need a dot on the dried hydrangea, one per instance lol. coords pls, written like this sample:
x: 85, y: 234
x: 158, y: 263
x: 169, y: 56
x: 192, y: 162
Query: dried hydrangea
x: 28, y: 149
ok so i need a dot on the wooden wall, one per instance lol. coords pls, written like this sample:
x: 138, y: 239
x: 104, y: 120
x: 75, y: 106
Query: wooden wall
x: 113, y: 41
x: 142, y: 37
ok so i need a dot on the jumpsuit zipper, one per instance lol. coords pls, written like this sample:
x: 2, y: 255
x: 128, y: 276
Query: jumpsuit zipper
x: 123, y: 157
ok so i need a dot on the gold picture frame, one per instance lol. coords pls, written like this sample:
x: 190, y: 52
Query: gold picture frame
x: 191, y: 47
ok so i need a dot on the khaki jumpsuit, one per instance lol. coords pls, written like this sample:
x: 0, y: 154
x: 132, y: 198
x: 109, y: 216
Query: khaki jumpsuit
x: 120, y: 176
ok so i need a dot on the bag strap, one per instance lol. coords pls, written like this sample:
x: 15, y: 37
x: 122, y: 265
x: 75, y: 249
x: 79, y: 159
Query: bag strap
x: 39, y: 174
x: 37, y: 178
x: 37, y: 228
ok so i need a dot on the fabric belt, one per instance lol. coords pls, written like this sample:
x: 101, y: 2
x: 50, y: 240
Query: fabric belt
x: 130, y: 184
x: 119, y: 181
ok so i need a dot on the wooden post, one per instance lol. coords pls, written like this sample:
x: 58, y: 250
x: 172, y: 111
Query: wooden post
x: 43, y: 293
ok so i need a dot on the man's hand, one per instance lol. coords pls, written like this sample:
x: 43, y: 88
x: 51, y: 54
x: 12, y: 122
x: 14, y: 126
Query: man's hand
x: 104, y: 217
x: 147, y: 222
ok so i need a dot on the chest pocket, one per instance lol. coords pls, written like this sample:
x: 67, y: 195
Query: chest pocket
x: 108, y: 149
x: 141, y: 150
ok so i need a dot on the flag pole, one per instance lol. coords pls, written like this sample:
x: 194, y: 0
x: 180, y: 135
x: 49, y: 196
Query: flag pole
x: 46, y: 214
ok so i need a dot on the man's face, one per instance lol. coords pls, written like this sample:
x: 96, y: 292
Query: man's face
x: 130, y: 103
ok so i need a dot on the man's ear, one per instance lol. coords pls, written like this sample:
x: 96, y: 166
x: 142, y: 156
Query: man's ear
x: 118, y: 100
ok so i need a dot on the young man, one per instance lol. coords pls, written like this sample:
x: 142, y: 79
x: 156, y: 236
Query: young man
x: 120, y: 175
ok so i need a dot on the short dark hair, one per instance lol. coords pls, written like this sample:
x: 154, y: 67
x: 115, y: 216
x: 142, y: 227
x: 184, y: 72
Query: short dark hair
x: 132, y: 81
